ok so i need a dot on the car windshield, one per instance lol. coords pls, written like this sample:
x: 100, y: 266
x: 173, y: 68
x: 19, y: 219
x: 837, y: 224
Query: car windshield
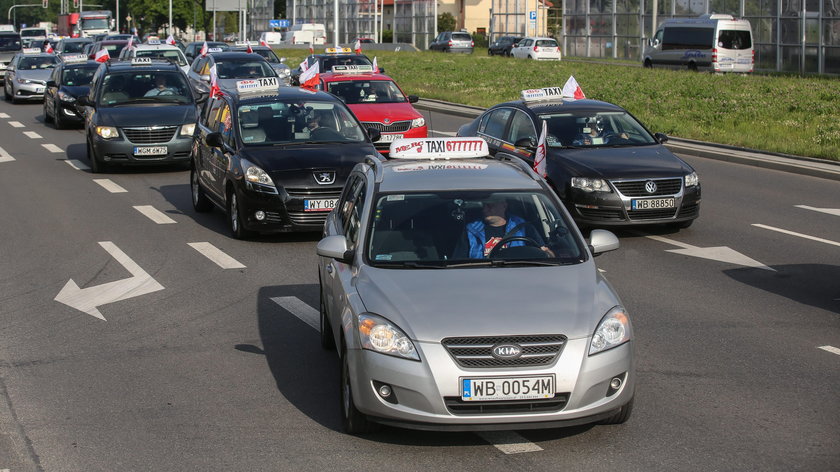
x: 94, y: 23
x: 154, y: 88
x: 243, y: 69
x: 284, y: 123
x: 75, y: 46
x: 78, y: 76
x: 367, y: 91
x: 114, y: 50
x: 33, y: 32
x: 174, y: 55
x: 590, y: 129
x: 34, y: 63
x: 329, y: 62
x: 268, y: 54
x: 469, y: 229
x: 546, y: 43
x: 9, y: 42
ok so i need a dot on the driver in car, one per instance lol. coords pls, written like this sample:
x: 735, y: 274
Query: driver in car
x: 160, y: 88
x: 483, y: 235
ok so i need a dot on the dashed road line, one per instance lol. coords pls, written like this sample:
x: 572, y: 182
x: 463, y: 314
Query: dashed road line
x: 154, y: 214
x: 110, y: 186
x: 4, y: 115
x: 302, y: 310
x: 831, y: 349
x: 5, y: 156
x: 52, y: 148
x: 830, y: 211
x: 799, y: 235
x: 77, y: 164
x: 509, y: 442
x: 216, y: 255
x: 32, y: 135
x: 17, y: 124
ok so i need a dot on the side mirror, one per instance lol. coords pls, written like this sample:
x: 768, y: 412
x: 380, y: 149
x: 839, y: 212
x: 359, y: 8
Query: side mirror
x: 214, y: 140
x: 282, y: 59
x: 601, y: 241
x: 661, y: 137
x: 205, y: 78
x: 51, y: 83
x: 374, y: 134
x: 381, y: 70
x: 413, y: 99
x: 527, y: 143
x: 335, y: 247
x: 202, y: 97
x: 84, y: 101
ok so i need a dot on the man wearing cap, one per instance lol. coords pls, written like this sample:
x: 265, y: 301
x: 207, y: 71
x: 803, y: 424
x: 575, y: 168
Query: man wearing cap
x: 496, y: 224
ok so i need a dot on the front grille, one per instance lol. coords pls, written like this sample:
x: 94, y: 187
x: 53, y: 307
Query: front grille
x: 395, y: 127
x: 308, y: 217
x: 315, y: 192
x: 601, y: 214
x: 150, y: 135
x: 657, y: 214
x: 636, y: 188
x: 537, y: 350
x: 457, y: 406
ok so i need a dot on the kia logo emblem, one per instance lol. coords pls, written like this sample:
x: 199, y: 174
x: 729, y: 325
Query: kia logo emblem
x: 507, y: 351
x: 650, y: 186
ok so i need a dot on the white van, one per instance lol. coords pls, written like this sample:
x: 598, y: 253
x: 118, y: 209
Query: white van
x: 305, y: 33
x: 718, y: 43
x: 271, y: 38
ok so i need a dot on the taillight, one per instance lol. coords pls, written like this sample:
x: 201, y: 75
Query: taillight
x: 450, y: 43
x: 472, y: 44
x: 753, y: 56
x: 535, y: 49
x: 714, y: 55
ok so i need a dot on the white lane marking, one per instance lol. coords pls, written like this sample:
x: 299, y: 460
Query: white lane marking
x: 509, y: 442
x: 216, y: 255
x: 830, y: 211
x: 831, y: 349
x: 5, y: 156
x: 110, y: 186
x: 153, y: 213
x: 17, y: 124
x: 720, y: 253
x: 444, y: 133
x: 77, y: 164
x: 3, y: 115
x: 52, y: 148
x: 297, y: 307
x: 799, y: 235
x: 32, y: 134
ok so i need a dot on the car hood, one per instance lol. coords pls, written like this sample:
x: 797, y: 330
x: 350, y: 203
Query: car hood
x: 294, y: 165
x: 145, y: 115
x: 430, y: 305
x: 37, y: 74
x: 6, y: 56
x: 620, y: 162
x: 379, y: 112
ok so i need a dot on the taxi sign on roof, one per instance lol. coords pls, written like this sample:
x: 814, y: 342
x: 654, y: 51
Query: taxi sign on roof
x: 547, y: 93
x: 257, y: 85
x: 138, y: 61
x: 153, y: 41
x: 438, y: 148
x: 338, y: 50
x: 31, y: 50
x: 245, y: 43
x: 352, y: 69
x: 214, y: 50
x: 74, y: 57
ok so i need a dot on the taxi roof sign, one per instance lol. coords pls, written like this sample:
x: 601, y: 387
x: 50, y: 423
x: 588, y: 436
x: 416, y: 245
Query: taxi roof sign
x: 439, y: 148
x: 352, y: 69
x: 141, y: 61
x: 214, y: 50
x: 338, y: 50
x: 246, y: 43
x: 31, y: 50
x: 262, y: 84
x: 74, y: 57
x: 547, y: 93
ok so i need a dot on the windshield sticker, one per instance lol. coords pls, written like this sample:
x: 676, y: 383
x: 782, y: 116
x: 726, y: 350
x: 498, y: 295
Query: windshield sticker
x: 383, y: 257
x: 395, y: 198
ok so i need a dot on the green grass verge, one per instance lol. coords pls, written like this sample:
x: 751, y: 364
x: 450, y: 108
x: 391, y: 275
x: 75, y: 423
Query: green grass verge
x: 792, y: 115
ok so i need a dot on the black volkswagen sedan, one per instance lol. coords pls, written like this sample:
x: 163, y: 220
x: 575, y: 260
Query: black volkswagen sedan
x: 70, y: 80
x: 275, y: 160
x: 608, y: 169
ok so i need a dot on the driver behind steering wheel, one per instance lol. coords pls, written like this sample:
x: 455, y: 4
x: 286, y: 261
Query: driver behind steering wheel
x: 483, y: 235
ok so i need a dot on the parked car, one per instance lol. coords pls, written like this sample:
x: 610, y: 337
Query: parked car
x: 537, y: 48
x: 453, y: 41
x: 503, y: 45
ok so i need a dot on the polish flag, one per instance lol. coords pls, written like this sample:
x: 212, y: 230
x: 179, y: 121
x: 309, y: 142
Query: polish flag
x: 204, y: 49
x: 539, y: 156
x: 358, y: 47
x: 310, y: 77
x: 263, y: 43
x: 250, y: 49
x: 170, y: 40
x: 303, y: 66
x: 572, y: 89
x: 130, y: 44
x: 215, y: 91
x: 49, y: 49
x: 102, y: 56
x: 375, y: 66
x: 311, y: 49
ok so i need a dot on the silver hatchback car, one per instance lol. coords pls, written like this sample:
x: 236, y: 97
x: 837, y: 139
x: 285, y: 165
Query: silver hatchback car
x: 461, y: 296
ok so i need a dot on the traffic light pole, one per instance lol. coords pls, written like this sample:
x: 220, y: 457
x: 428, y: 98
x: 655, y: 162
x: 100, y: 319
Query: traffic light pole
x: 9, y: 16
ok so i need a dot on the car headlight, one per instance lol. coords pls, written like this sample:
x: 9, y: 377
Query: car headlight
x: 24, y: 81
x: 187, y: 129
x: 692, y: 179
x: 107, y: 132
x: 590, y: 185
x: 66, y: 97
x: 418, y: 122
x: 380, y: 335
x: 613, y: 330
x: 255, y: 174
x: 284, y: 72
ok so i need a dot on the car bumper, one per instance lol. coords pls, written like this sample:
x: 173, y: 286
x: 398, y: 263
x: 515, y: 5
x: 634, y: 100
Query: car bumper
x: 466, y: 50
x: 28, y: 91
x: 427, y: 394
x: 122, y: 151
x: 548, y: 57
x: 285, y: 211
x: 612, y: 209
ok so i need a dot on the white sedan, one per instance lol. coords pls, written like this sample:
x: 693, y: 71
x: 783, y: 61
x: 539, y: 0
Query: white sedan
x: 541, y: 49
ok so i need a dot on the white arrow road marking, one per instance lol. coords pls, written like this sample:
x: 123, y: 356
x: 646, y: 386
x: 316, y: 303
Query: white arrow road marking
x: 52, y: 148
x: 88, y: 299
x: 17, y: 124
x: 110, y: 186
x: 720, y: 253
x: 5, y: 156
x: 32, y: 134
x: 509, y: 442
x: 216, y: 255
x: 799, y: 235
x: 3, y: 115
x: 831, y: 349
x: 830, y: 211
x: 299, y: 308
x: 77, y: 164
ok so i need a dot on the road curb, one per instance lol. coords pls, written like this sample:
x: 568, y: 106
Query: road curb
x: 784, y: 162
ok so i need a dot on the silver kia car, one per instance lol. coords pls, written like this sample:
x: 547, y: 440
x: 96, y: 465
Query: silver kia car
x: 461, y: 296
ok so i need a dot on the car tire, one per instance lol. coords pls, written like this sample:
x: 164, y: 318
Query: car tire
x: 96, y: 166
x: 6, y: 94
x: 353, y: 421
x: 234, y: 212
x: 47, y: 117
x: 327, y: 339
x: 621, y: 416
x: 648, y: 64
x: 201, y: 203
x: 58, y: 121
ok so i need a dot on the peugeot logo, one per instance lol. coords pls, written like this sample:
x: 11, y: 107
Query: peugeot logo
x: 507, y: 351
x: 650, y: 186
x: 324, y: 178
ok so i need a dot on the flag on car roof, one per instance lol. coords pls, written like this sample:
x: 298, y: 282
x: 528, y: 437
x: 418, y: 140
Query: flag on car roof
x: 204, y: 49
x: 263, y: 43
x: 310, y: 77
x: 358, y: 46
x: 311, y: 49
x: 215, y: 90
x: 572, y: 89
x: 375, y: 66
x: 250, y: 49
x: 303, y: 66
x: 170, y: 40
x: 102, y: 55
x: 49, y: 49
x: 130, y: 44
x: 539, y: 156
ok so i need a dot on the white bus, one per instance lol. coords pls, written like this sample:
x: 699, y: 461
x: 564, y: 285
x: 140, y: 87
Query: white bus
x: 305, y: 33
x: 717, y: 43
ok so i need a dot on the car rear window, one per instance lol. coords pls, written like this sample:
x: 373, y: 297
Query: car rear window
x: 461, y: 37
x: 734, y: 39
x: 547, y: 43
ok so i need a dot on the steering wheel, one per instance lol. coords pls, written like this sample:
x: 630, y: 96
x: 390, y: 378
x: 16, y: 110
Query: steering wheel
x: 528, y: 242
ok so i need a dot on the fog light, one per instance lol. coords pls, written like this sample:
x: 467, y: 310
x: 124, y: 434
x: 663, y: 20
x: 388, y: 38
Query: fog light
x: 615, y: 383
x: 259, y: 215
x: 385, y: 391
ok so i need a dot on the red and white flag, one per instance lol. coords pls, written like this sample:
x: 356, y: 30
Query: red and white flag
x: 303, y: 66
x: 204, y: 49
x: 170, y: 40
x: 102, y: 56
x: 375, y: 66
x: 250, y: 49
x: 215, y: 90
x: 572, y: 89
x: 539, y: 156
x: 49, y: 49
x: 310, y: 77
x: 130, y: 44
x: 358, y: 47
x: 263, y: 43
x: 311, y: 49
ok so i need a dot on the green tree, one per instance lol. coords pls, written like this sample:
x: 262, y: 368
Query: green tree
x: 446, y: 22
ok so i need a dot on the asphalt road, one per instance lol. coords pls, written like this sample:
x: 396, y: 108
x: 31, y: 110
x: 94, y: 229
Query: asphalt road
x: 213, y: 366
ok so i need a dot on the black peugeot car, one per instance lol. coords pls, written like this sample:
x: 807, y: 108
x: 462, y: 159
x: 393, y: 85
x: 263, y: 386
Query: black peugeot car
x: 608, y: 169
x: 275, y: 160
x: 70, y: 80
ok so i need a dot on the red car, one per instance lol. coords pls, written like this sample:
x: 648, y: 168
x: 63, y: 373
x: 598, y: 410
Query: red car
x: 377, y: 102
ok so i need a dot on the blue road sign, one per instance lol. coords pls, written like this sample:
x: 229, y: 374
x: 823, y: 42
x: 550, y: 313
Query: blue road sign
x: 532, y: 15
x: 279, y: 23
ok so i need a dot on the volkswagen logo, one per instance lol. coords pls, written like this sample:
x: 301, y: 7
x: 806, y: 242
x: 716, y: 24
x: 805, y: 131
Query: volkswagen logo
x: 324, y: 177
x: 507, y: 351
x: 650, y: 186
